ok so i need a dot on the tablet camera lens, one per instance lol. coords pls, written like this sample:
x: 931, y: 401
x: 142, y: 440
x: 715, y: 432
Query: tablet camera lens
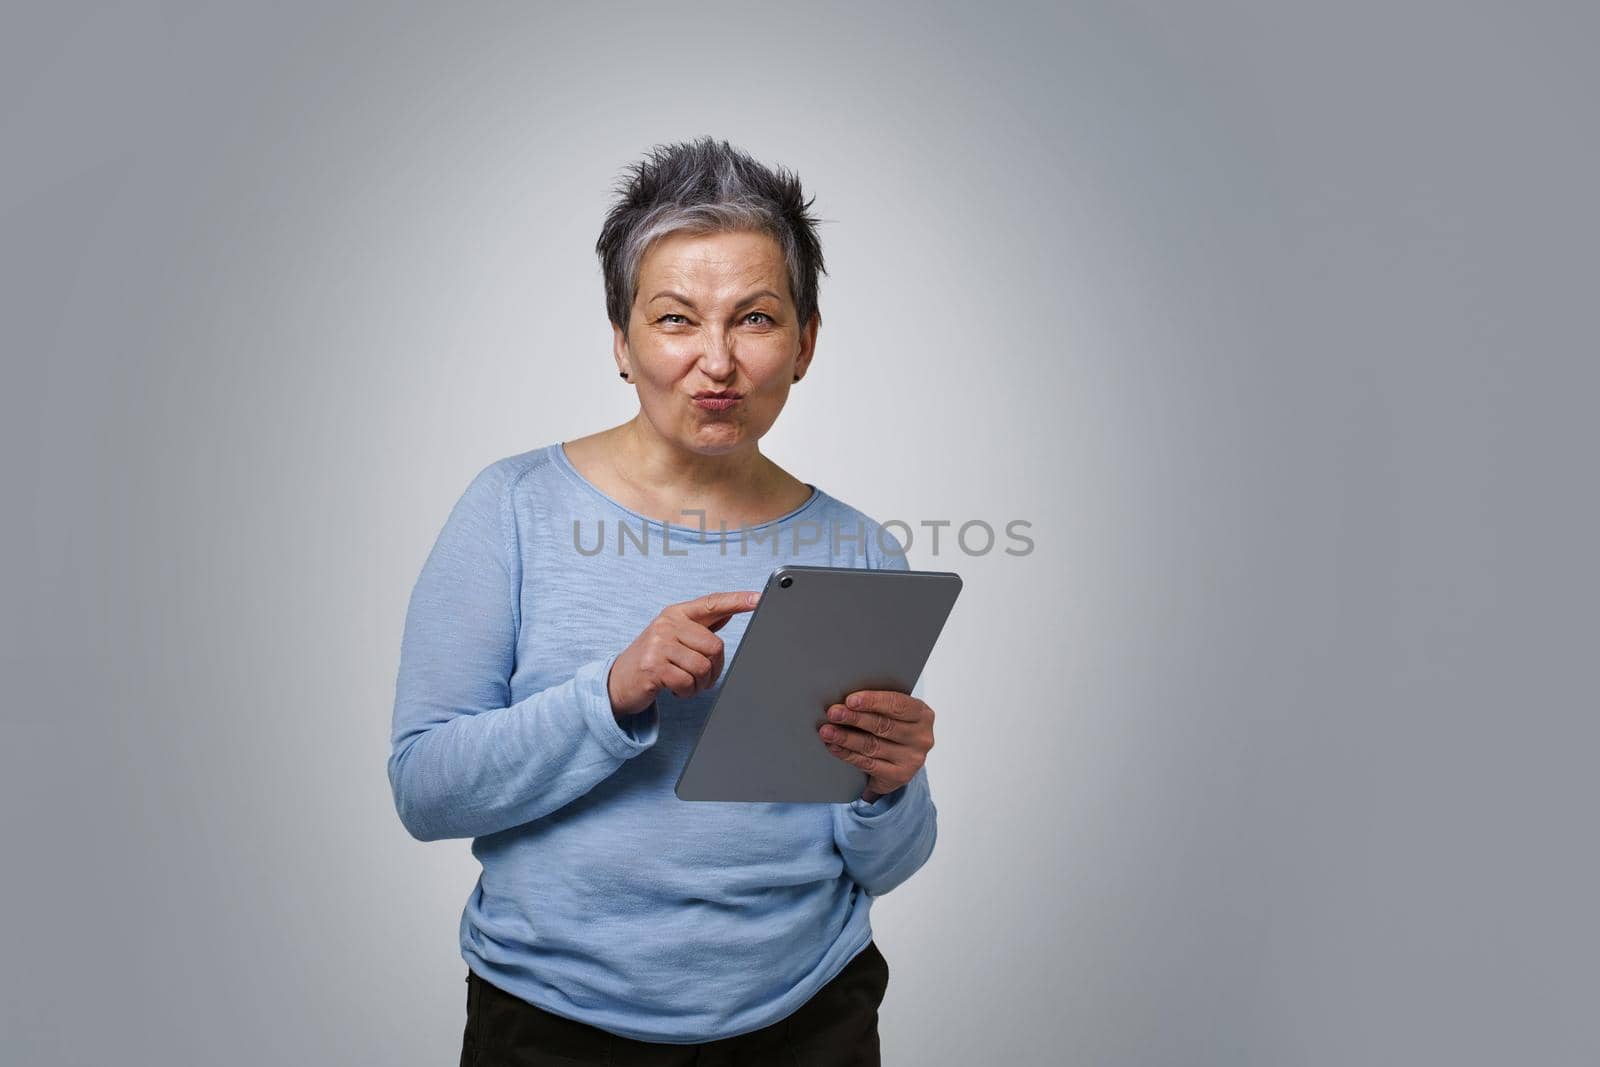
x: 786, y: 581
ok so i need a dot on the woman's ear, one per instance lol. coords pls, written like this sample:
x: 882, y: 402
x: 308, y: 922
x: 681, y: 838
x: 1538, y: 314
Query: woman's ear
x: 808, y: 345
x: 619, y: 351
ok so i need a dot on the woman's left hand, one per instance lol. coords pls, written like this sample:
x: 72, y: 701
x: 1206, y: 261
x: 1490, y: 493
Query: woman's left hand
x: 884, y: 733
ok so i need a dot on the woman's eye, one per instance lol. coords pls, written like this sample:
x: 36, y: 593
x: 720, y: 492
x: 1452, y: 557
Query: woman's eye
x: 672, y: 315
x: 763, y: 318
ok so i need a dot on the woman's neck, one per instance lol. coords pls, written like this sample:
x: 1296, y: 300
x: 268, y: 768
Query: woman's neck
x: 660, y: 465
x: 659, y: 480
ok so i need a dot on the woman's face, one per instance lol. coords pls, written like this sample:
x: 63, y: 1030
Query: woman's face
x: 713, y: 313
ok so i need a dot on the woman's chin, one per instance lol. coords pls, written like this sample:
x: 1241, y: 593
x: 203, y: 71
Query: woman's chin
x: 713, y: 438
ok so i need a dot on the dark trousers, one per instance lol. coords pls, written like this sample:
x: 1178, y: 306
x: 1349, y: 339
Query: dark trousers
x: 837, y: 1027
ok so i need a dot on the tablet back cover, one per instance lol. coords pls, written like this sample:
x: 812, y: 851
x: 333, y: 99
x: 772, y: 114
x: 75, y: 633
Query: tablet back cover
x: 830, y: 632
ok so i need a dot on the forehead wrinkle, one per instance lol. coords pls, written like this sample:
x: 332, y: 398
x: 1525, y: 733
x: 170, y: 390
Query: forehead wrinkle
x: 718, y: 249
x: 707, y: 271
x: 707, y: 262
x: 730, y: 286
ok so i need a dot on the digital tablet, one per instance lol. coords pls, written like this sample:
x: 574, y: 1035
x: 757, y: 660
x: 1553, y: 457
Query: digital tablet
x: 817, y: 635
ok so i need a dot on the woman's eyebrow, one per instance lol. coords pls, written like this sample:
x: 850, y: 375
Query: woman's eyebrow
x: 757, y: 295
x: 668, y: 294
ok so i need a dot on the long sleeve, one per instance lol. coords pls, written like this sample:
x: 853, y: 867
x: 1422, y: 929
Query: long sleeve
x: 887, y: 841
x: 465, y: 762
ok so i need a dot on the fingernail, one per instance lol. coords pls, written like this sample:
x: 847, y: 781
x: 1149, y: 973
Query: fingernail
x: 829, y: 732
x: 854, y: 700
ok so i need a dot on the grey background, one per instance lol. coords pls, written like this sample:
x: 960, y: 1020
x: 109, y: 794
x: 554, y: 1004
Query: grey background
x: 1275, y: 320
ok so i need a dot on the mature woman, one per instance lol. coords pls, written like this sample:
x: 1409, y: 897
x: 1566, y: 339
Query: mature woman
x: 549, y: 694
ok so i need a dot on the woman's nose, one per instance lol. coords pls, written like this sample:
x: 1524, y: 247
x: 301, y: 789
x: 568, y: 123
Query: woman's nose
x: 716, y: 355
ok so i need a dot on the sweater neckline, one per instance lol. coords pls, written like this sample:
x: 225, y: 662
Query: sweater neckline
x: 558, y: 453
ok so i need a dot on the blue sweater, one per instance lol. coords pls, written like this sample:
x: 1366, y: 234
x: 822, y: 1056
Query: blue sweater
x: 603, y: 897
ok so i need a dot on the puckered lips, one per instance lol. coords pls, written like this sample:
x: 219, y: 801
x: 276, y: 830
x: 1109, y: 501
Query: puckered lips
x: 717, y: 399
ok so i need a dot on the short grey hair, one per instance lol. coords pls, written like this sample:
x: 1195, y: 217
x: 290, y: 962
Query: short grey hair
x: 706, y: 186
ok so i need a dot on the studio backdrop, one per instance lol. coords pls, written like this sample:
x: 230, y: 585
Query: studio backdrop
x: 1269, y: 326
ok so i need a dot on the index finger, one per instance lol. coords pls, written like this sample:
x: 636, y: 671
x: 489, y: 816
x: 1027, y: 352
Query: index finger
x: 714, y: 606
x: 885, y: 702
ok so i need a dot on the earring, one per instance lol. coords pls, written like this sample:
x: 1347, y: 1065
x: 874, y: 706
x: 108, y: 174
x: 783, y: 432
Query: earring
x: 623, y: 375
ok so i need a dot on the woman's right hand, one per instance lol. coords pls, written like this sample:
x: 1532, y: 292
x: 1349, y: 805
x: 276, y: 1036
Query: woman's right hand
x: 679, y: 650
